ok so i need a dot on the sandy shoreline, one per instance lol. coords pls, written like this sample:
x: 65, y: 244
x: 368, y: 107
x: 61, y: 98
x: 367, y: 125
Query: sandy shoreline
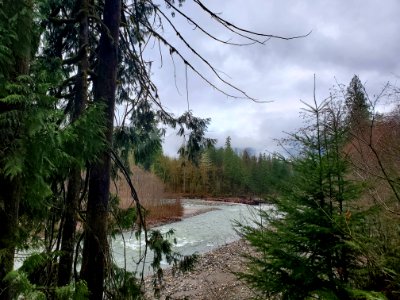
x: 212, y: 277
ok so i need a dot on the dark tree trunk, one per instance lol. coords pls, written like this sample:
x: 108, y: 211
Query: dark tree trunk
x: 69, y: 228
x: 74, y: 181
x: 9, y: 199
x: 95, y: 252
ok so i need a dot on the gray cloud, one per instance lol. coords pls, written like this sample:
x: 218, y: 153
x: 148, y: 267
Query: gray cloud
x: 348, y: 37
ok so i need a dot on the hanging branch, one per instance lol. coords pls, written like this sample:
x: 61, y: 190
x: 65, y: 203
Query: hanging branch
x: 134, y: 194
x: 199, y: 27
x: 135, y: 198
x: 253, y: 37
x: 244, y: 32
x: 205, y: 61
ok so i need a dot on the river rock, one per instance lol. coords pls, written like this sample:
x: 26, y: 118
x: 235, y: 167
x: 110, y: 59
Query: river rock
x: 212, y: 277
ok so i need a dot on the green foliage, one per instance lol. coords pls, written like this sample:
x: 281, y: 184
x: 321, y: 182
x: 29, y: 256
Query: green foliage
x: 224, y: 172
x: 305, y: 249
x: 140, y: 137
x: 357, y: 103
x: 127, y: 217
x: 364, y: 295
x: 377, y: 240
x: 7, y: 38
x: 83, y: 140
x: 16, y: 38
x: 123, y: 285
x: 186, y: 263
x: 194, y: 128
x: 20, y: 286
x: 161, y: 246
x: 33, y: 153
x: 34, y: 263
x: 123, y: 219
x: 73, y: 291
x: 42, y: 148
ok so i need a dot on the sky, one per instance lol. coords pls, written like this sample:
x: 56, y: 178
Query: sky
x: 359, y: 37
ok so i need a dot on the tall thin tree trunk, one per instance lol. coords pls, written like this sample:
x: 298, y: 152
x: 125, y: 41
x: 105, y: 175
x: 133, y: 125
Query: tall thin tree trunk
x: 95, y: 252
x: 74, y: 181
x: 69, y: 228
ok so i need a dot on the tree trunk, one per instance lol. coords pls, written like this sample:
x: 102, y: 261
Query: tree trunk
x: 95, y: 252
x: 69, y: 228
x: 74, y: 181
x: 9, y: 200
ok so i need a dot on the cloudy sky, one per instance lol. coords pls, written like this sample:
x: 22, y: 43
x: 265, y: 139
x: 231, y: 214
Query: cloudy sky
x: 348, y: 37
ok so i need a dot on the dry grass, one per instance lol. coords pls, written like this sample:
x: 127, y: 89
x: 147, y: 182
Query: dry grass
x: 151, y: 192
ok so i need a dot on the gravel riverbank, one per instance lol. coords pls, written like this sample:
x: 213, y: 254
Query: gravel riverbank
x: 211, y: 279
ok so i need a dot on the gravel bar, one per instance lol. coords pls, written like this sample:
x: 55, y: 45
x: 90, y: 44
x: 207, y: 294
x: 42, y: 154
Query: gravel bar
x: 211, y: 278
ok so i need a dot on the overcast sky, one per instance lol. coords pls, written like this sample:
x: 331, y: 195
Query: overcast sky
x: 348, y: 37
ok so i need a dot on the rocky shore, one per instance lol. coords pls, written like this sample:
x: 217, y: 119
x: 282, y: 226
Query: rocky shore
x: 212, y: 277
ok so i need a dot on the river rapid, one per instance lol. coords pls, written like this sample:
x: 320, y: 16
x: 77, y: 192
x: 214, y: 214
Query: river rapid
x: 197, y: 234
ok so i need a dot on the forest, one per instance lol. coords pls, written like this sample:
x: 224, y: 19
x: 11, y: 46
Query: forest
x: 69, y: 69
x: 224, y: 172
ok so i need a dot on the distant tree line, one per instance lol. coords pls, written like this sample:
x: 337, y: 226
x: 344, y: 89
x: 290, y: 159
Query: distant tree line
x: 224, y: 172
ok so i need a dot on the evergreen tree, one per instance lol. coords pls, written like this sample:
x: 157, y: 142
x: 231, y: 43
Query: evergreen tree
x: 95, y: 251
x: 37, y: 147
x: 78, y: 107
x: 16, y: 31
x: 232, y: 168
x: 305, y: 246
x: 356, y: 103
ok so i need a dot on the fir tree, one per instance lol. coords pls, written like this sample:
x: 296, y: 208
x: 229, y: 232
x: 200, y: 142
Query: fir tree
x: 357, y: 103
x: 305, y: 245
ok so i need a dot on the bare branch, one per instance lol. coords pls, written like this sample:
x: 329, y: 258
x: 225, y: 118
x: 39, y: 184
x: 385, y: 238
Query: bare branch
x: 173, y: 50
x: 198, y: 26
x: 241, y: 31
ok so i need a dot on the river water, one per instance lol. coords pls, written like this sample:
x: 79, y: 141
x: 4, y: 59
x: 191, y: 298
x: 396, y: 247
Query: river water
x: 197, y: 234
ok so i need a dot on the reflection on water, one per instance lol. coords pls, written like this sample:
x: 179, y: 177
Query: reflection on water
x: 200, y: 233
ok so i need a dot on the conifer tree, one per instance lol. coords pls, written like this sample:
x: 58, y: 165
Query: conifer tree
x: 16, y: 24
x: 357, y: 103
x: 95, y: 251
x: 305, y: 246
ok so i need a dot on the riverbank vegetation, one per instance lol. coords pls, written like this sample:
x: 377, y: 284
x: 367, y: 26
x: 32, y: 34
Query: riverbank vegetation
x: 152, y: 192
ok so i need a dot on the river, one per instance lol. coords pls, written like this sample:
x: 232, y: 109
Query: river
x: 197, y: 234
